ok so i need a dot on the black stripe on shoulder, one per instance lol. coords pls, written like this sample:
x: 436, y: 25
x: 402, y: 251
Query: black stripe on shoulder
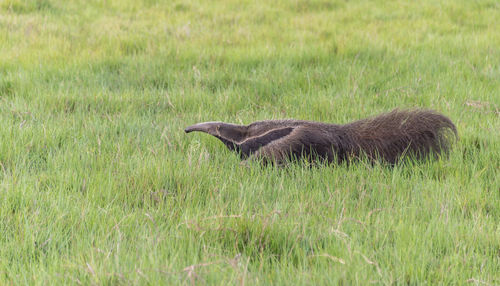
x: 229, y: 144
x: 253, y: 144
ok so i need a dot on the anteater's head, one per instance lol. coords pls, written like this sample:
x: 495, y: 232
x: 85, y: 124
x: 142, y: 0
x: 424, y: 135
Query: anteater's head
x: 232, y: 132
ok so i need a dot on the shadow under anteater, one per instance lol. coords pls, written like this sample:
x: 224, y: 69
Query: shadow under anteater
x: 387, y: 137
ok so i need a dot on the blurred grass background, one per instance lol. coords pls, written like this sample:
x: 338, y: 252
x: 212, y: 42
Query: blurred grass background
x: 99, y: 185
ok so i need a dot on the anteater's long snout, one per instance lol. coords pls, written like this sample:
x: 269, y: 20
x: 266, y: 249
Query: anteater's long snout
x: 226, y: 132
x: 206, y: 127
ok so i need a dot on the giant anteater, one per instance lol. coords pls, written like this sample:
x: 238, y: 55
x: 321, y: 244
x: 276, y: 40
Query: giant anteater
x: 387, y: 137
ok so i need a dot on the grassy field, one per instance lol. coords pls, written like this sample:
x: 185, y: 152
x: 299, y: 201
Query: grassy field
x: 99, y: 184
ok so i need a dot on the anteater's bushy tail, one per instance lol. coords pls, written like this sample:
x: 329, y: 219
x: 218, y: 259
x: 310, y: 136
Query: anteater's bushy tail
x: 419, y: 133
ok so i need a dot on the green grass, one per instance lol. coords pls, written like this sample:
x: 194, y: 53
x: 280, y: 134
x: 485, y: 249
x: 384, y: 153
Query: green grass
x: 99, y: 184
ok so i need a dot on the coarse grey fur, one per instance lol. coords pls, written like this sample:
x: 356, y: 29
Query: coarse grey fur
x: 387, y: 137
